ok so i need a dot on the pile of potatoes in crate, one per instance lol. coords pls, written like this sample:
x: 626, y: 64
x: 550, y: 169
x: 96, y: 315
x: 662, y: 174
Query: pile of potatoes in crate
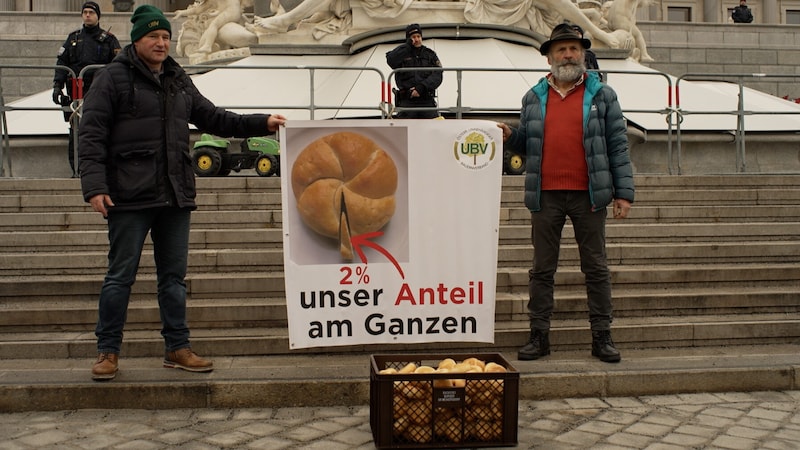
x: 481, y: 418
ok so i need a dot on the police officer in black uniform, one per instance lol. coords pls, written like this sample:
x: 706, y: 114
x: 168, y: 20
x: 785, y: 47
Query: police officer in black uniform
x: 415, y: 88
x: 742, y: 14
x: 86, y: 46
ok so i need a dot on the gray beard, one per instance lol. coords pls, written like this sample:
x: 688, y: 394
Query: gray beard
x: 567, y: 72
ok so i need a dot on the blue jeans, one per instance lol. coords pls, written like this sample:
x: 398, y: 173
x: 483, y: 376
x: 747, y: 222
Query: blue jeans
x: 127, y: 230
x: 590, y: 235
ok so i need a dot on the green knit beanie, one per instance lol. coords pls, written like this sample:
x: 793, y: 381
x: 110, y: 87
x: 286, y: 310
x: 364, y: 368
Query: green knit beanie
x: 147, y: 18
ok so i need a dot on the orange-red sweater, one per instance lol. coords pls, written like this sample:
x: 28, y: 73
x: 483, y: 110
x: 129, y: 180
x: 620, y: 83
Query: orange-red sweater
x: 563, y: 157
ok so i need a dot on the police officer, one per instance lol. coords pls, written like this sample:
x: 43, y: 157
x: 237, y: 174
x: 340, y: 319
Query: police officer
x: 741, y: 13
x: 86, y: 46
x: 415, y: 88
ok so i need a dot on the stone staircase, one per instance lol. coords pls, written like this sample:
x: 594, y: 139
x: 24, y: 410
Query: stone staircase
x: 706, y: 279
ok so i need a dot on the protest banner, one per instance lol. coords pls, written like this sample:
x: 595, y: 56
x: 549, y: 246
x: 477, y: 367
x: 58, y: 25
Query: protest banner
x: 390, y: 230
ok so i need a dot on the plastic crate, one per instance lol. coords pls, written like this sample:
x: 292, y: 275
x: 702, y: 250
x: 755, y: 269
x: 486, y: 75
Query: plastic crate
x: 442, y: 410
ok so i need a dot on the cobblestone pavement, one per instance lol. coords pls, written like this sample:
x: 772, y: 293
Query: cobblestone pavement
x: 753, y: 420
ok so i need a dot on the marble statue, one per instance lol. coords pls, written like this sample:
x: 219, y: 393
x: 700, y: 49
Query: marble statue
x: 540, y: 15
x: 219, y: 27
x: 622, y: 17
x: 593, y: 10
x: 213, y: 26
x: 321, y: 16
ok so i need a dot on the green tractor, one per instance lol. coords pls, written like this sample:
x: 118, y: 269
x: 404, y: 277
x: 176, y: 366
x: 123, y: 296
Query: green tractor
x: 513, y: 164
x: 211, y: 158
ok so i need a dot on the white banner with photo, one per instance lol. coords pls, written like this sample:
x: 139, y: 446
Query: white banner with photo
x: 390, y: 230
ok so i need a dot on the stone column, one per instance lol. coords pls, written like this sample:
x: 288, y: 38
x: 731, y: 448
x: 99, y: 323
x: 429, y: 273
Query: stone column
x: 13, y: 5
x: 711, y: 11
x: 770, y: 11
x: 49, y: 5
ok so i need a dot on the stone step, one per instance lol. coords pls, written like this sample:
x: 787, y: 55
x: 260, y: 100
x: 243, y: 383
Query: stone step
x: 704, y: 214
x: 80, y: 314
x: 25, y: 202
x: 26, y: 241
x: 692, y: 196
x: 628, y: 333
x: 341, y: 379
x: 222, y: 260
x: 509, y: 279
x: 68, y: 221
x: 233, y: 220
x: 32, y: 203
x: 705, y: 277
x: 251, y: 183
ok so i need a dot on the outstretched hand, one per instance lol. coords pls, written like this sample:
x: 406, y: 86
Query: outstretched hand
x: 274, y: 121
x: 506, y: 130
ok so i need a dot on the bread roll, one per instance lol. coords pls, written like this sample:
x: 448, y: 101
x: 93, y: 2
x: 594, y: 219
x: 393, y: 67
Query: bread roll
x: 424, y: 369
x: 449, y: 428
x: 420, y: 411
x: 414, y: 389
x: 408, y: 368
x: 446, y: 363
x: 400, y: 425
x: 344, y: 167
x: 419, y: 433
x: 494, y: 367
x: 475, y: 362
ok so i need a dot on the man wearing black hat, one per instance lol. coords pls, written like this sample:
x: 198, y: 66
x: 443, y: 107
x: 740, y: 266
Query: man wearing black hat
x: 86, y: 46
x: 574, y: 135
x: 415, y: 89
x: 741, y: 13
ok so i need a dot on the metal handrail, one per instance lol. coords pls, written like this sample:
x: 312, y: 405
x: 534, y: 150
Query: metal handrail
x: 740, y: 112
x: 6, y: 147
x: 312, y: 70
x: 459, y: 109
x: 673, y: 114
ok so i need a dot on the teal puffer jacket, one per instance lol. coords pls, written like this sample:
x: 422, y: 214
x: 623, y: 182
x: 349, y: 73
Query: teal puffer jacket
x: 604, y: 140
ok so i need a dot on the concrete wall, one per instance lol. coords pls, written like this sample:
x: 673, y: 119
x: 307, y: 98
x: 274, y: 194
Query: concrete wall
x: 679, y: 49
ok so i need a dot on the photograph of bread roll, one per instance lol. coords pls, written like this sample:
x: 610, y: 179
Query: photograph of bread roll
x: 344, y: 185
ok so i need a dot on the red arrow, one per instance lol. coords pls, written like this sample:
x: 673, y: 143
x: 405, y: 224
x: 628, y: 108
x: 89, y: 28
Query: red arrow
x: 364, y: 239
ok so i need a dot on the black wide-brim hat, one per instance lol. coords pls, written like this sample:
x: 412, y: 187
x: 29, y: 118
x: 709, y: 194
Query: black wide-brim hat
x: 564, y: 32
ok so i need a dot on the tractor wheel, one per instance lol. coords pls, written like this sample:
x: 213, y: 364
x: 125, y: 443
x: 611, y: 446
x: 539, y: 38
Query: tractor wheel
x: 266, y: 165
x: 513, y: 164
x: 206, y: 162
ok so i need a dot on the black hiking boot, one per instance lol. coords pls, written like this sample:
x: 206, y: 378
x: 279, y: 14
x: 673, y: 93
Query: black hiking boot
x: 537, y: 346
x: 603, y: 347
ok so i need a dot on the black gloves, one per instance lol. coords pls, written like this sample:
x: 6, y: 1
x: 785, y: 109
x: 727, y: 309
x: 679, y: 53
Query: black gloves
x: 57, y: 95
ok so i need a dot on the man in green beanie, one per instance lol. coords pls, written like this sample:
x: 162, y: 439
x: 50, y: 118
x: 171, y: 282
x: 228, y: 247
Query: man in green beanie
x: 136, y: 171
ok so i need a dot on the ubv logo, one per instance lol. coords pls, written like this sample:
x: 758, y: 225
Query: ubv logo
x: 474, y: 149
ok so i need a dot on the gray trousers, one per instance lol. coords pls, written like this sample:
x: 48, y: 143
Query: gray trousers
x: 546, y: 227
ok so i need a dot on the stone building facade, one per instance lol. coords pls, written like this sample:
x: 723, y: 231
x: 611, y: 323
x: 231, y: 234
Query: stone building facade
x: 692, y: 11
x: 678, y: 48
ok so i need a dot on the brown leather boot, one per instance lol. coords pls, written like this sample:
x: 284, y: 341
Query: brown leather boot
x: 186, y: 359
x: 106, y: 366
